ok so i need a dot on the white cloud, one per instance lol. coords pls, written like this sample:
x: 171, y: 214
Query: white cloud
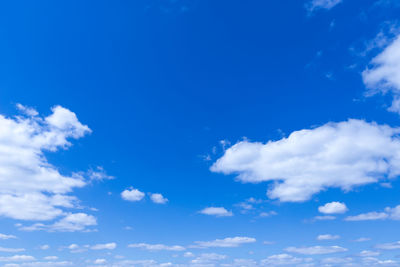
x: 316, y: 250
x: 4, y: 237
x: 18, y: 258
x: 339, y: 155
x: 206, y: 258
x: 2, y: 249
x: 384, y: 75
x: 158, y: 198
x: 109, y: 246
x: 328, y: 237
x: 389, y: 246
x: 156, y: 247
x: 30, y: 187
x: 324, y: 218
x: 362, y: 239
x: 321, y: 4
x: 369, y: 253
x: 388, y: 213
x: 283, y: 259
x: 217, y: 211
x: 70, y: 223
x: 100, y: 261
x: 99, y: 174
x: 50, y: 258
x: 228, y: 242
x: 44, y: 247
x: 27, y: 110
x: 333, y: 208
x: 132, y: 195
x: 268, y: 214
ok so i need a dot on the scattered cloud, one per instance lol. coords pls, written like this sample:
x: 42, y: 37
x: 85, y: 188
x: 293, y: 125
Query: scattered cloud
x: 316, y: 250
x: 324, y: 218
x: 32, y: 188
x: 284, y: 259
x: 216, y: 211
x: 383, y: 75
x: 13, y: 250
x: 228, y: 242
x: 327, y: 237
x: 99, y: 174
x: 158, y: 198
x: 16, y: 258
x: 207, y: 258
x: 132, y: 195
x: 362, y: 239
x: 389, y: 246
x: 314, y: 5
x: 156, y: 247
x: 340, y: 155
x: 333, y: 208
x: 387, y: 214
x: 72, y: 222
x: 5, y: 237
x: 109, y: 246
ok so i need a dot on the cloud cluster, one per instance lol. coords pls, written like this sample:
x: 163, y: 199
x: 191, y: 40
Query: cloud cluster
x: 384, y: 73
x: 30, y: 187
x: 316, y: 250
x: 336, y: 155
x: 228, y: 242
x: 156, y: 247
x: 134, y: 195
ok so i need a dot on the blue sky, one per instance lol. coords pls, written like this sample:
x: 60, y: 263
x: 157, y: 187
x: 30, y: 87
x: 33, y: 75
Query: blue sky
x: 199, y: 133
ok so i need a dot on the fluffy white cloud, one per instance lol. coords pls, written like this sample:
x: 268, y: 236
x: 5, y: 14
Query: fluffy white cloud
x: 283, y: 259
x: 30, y: 187
x: 316, y: 250
x: 228, y: 242
x: 156, y: 247
x: 100, y: 261
x: 340, y: 155
x: 158, y: 198
x: 384, y: 74
x: 327, y: 237
x: 333, y: 208
x: 388, y: 213
x: 132, y: 195
x: 110, y: 246
x: 217, y: 211
x: 4, y: 237
x: 321, y: 4
x: 70, y: 223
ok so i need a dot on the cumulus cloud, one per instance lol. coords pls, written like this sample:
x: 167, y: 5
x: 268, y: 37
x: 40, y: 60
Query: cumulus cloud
x: 314, y: 5
x: 333, y: 208
x: 387, y: 214
x: 132, y: 194
x: 327, y: 237
x: 383, y: 75
x: 283, y: 259
x: 216, y: 211
x: 156, y: 247
x: 158, y: 198
x: 30, y: 187
x: 316, y: 250
x: 228, y: 242
x: 109, y: 246
x: 336, y: 155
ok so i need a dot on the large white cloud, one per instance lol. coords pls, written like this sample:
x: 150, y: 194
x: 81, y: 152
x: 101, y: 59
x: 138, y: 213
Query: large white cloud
x: 338, y: 155
x: 30, y: 187
x: 384, y: 73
